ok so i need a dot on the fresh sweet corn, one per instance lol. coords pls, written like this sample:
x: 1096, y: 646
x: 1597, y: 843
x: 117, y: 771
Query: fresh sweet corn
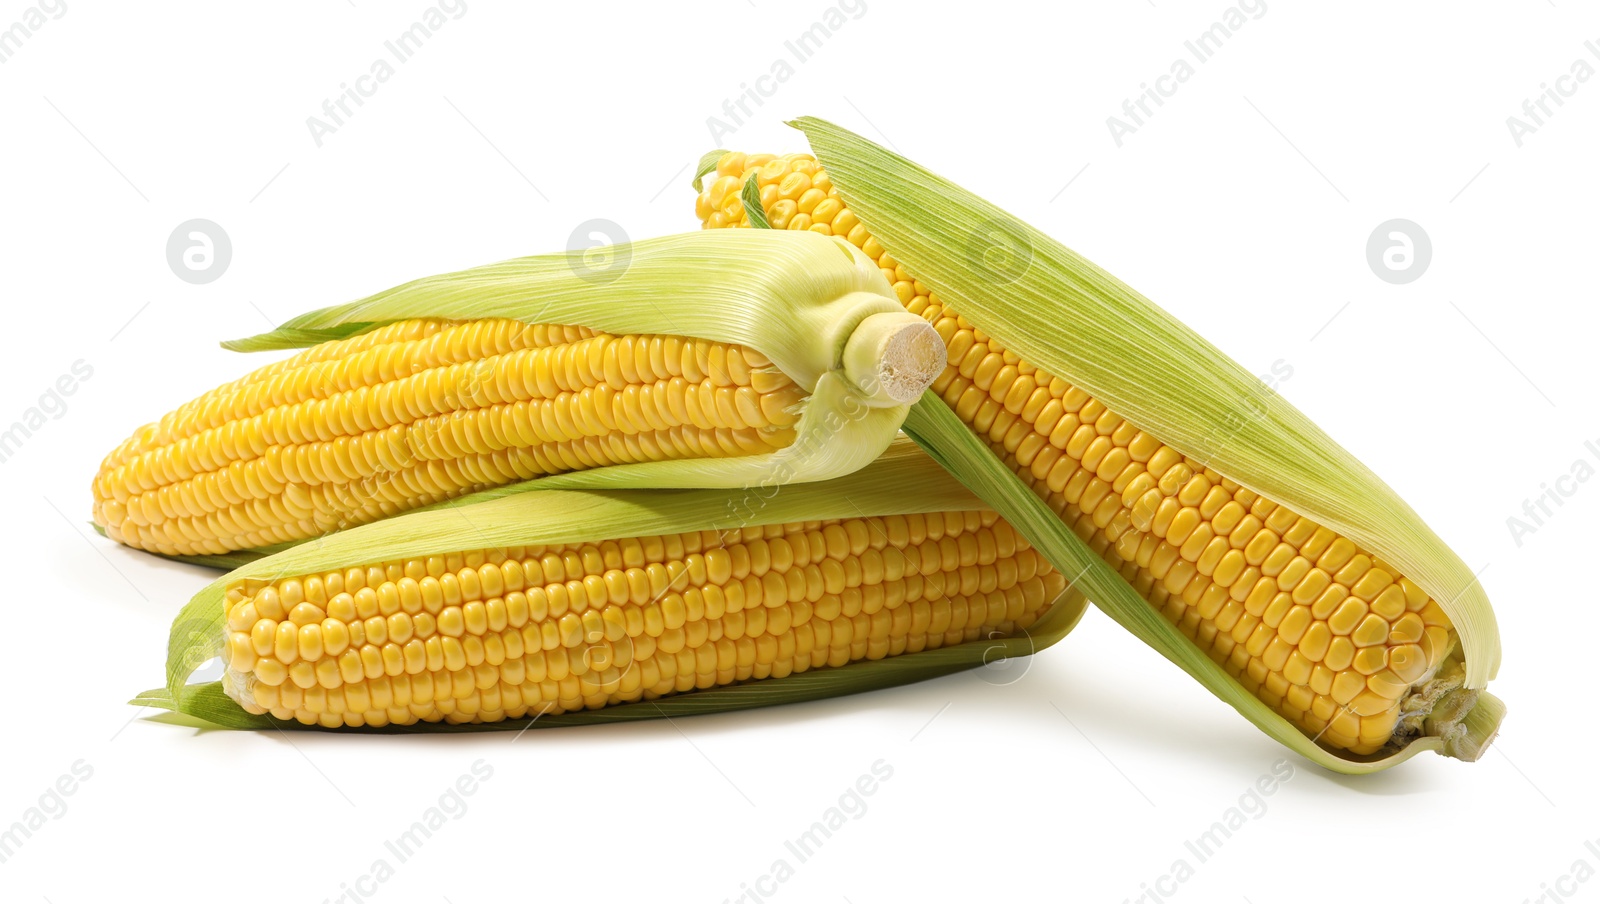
x: 510, y: 632
x: 543, y: 604
x: 700, y: 364
x: 1337, y: 641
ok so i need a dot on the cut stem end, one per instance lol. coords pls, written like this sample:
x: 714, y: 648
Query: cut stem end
x: 1464, y: 720
x: 893, y: 357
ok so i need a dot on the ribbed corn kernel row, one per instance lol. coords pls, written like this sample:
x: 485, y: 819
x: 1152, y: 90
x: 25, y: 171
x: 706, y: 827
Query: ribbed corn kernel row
x: 422, y: 410
x: 505, y: 633
x: 1330, y: 637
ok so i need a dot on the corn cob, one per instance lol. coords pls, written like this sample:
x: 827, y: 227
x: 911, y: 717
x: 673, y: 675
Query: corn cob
x: 329, y: 636
x: 508, y: 632
x: 1329, y: 635
x: 424, y: 409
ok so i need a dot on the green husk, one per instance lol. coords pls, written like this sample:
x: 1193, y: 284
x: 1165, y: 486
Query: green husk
x: 1072, y: 319
x: 801, y: 300
x: 750, y: 199
x: 902, y: 481
x: 706, y: 166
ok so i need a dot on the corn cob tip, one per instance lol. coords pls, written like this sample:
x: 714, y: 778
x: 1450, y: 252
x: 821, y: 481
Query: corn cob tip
x: 894, y: 356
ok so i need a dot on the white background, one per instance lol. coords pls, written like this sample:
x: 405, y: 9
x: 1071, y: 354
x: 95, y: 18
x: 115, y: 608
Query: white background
x: 1244, y: 205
